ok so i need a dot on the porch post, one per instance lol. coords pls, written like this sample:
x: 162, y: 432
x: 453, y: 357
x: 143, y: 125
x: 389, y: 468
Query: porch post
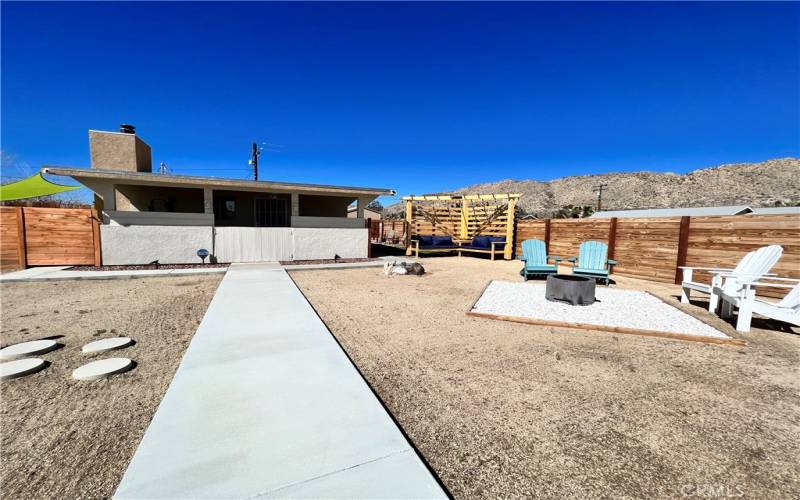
x: 360, y: 205
x: 208, y: 200
x: 295, y: 205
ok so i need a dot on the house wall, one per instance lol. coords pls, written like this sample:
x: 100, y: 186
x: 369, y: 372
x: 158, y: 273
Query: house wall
x: 321, y: 243
x: 368, y: 214
x: 144, y: 244
x: 245, y: 207
x: 158, y: 199
x: 329, y: 222
x: 324, y: 206
x: 139, y: 244
x: 128, y: 218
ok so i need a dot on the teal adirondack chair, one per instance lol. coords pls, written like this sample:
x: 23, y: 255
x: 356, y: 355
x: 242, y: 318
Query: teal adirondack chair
x: 535, y: 258
x: 593, y: 261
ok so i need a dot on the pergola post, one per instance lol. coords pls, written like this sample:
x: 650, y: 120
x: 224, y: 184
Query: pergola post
x: 409, y: 210
x: 464, y: 219
x: 509, y: 248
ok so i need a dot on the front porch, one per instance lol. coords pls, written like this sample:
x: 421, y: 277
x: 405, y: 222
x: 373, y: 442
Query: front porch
x: 157, y: 205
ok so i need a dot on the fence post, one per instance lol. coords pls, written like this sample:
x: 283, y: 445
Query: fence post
x: 22, y: 248
x: 94, y: 215
x: 509, y: 247
x: 612, y: 238
x: 547, y: 236
x: 683, y: 247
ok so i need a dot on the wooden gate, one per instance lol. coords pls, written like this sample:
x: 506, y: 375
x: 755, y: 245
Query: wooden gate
x: 33, y: 236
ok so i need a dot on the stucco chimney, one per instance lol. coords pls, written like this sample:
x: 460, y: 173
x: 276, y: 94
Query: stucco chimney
x: 122, y: 150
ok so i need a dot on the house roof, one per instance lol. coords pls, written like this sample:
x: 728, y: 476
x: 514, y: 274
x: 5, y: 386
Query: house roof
x: 353, y: 208
x: 776, y: 210
x: 675, y: 212
x: 151, y: 179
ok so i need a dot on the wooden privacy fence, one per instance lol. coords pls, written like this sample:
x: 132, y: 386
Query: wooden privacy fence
x: 32, y: 236
x: 653, y: 248
x: 387, y: 231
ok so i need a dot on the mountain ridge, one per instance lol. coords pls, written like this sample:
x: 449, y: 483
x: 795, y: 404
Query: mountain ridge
x: 772, y: 182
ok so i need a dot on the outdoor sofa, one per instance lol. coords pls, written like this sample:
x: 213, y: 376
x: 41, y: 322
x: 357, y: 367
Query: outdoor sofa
x: 432, y: 244
x: 492, y: 245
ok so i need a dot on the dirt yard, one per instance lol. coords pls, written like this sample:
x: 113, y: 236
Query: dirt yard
x: 63, y: 438
x: 510, y: 410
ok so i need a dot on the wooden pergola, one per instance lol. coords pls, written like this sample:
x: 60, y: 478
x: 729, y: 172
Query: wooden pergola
x: 462, y: 217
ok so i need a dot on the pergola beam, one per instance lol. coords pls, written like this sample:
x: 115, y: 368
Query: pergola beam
x: 455, y: 197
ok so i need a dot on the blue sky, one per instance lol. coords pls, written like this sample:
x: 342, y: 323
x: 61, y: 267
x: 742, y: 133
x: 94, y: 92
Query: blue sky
x: 418, y: 97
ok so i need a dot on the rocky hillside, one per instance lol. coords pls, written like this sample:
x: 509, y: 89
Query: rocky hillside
x: 756, y: 184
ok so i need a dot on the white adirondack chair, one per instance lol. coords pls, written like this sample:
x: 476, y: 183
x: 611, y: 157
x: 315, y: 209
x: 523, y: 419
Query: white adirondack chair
x: 752, y: 267
x: 788, y: 309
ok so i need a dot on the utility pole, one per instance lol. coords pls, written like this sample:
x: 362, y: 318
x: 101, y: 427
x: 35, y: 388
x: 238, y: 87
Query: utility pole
x: 255, y: 153
x: 599, y: 188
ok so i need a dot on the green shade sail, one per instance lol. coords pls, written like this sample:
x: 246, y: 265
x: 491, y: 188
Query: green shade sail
x: 32, y: 187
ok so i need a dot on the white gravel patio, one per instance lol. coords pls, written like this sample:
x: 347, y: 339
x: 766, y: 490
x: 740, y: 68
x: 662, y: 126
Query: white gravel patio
x: 614, y: 308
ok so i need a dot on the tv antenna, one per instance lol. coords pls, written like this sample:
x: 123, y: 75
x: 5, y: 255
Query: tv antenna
x: 599, y: 190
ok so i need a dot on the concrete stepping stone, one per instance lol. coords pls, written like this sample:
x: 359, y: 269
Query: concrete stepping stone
x: 102, y: 368
x: 24, y: 349
x: 21, y: 367
x: 104, y: 345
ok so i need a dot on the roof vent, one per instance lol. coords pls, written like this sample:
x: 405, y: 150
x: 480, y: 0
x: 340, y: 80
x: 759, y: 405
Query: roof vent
x: 127, y: 129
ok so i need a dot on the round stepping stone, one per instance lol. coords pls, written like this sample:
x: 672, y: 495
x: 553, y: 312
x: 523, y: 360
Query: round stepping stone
x: 20, y: 367
x: 104, y: 345
x: 102, y: 368
x: 27, y: 349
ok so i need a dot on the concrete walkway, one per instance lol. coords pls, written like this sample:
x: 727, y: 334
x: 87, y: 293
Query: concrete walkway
x: 265, y: 404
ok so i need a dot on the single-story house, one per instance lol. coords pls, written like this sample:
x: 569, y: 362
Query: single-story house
x: 695, y: 211
x: 674, y: 212
x: 149, y: 216
x: 368, y: 213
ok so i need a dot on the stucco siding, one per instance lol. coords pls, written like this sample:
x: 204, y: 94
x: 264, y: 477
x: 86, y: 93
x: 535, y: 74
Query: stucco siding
x: 327, y: 222
x: 126, y: 218
x: 144, y: 244
x: 321, y: 243
x: 179, y: 244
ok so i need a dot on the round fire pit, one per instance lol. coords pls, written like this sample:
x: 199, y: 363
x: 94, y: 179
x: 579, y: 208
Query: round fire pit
x: 575, y: 290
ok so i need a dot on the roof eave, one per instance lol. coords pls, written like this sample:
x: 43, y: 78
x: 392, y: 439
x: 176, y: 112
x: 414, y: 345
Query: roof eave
x: 146, y: 178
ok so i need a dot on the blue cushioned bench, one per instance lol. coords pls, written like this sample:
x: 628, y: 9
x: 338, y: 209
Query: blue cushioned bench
x: 492, y: 245
x: 432, y: 244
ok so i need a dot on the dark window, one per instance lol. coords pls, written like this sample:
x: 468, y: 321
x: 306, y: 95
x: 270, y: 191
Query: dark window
x: 271, y: 212
x: 225, y: 208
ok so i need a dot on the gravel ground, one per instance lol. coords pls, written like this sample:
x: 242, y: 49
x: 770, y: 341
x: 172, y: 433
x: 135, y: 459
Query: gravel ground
x: 323, y: 261
x: 63, y: 438
x: 614, y: 307
x: 145, y: 267
x: 506, y: 410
